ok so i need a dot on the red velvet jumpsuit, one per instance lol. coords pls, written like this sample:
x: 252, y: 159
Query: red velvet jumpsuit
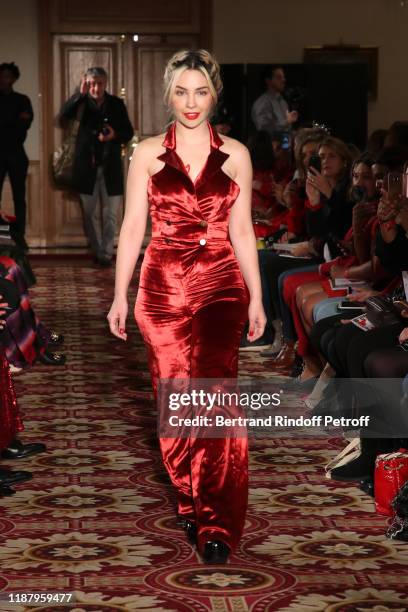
x: 191, y: 308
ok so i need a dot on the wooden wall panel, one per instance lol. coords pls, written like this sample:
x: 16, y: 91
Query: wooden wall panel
x: 150, y: 67
x: 149, y: 60
x: 141, y: 16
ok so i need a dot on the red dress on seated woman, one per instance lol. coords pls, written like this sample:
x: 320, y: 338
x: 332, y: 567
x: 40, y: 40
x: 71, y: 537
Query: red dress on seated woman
x: 10, y: 421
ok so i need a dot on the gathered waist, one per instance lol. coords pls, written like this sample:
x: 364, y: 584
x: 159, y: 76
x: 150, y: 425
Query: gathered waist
x: 197, y: 232
x: 175, y: 241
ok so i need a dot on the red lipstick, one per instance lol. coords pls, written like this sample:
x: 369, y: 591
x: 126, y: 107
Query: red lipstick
x: 191, y: 116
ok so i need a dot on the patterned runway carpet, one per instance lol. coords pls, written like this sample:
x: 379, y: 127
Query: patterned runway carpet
x: 98, y: 517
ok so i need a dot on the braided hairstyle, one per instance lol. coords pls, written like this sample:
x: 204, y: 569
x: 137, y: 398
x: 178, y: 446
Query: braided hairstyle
x: 200, y: 60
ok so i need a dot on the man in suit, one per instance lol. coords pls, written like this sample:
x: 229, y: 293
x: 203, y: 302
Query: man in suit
x: 98, y: 173
x: 16, y: 115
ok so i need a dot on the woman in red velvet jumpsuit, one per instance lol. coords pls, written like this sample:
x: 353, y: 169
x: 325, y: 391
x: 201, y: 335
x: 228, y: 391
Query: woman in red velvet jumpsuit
x: 199, y: 284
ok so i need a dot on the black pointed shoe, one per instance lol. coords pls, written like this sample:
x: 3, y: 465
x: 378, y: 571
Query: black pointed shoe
x: 216, y: 553
x: 56, y: 338
x: 6, y: 491
x: 50, y: 358
x: 18, y: 450
x: 9, y: 477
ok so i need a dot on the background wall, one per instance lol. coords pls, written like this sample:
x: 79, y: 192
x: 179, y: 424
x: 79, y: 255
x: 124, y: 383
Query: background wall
x: 19, y: 44
x: 256, y: 31
x: 267, y: 31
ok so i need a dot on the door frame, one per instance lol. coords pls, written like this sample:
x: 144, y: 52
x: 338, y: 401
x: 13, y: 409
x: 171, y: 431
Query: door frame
x: 46, y: 18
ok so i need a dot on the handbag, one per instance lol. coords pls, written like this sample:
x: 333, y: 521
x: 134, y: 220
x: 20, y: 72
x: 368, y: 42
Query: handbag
x: 399, y: 527
x: 63, y: 158
x: 380, y: 311
x: 391, y: 472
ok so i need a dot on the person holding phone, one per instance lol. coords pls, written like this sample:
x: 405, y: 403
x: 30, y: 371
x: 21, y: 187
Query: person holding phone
x: 98, y: 172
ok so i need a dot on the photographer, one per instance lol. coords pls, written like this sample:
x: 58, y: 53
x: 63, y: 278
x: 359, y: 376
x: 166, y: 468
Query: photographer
x: 104, y: 127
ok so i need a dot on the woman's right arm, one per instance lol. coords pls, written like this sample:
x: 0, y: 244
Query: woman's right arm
x: 131, y: 236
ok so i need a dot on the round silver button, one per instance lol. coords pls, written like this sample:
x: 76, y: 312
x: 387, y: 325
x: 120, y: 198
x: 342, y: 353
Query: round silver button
x: 203, y: 241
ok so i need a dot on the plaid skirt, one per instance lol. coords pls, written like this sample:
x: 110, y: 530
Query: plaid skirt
x: 24, y: 337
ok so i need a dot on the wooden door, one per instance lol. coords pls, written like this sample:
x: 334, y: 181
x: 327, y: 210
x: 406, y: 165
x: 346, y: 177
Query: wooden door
x: 73, y: 55
x: 135, y: 72
x: 150, y: 57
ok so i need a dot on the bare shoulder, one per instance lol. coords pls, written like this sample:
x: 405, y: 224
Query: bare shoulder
x: 151, y: 145
x: 233, y: 147
x: 148, y: 150
x: 239, y: 162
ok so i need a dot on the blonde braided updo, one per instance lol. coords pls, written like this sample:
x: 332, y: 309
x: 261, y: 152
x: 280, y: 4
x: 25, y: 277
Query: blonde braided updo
x: 200, y: 60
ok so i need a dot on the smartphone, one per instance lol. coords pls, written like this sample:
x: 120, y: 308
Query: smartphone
x: 350, y: 305
x: 315, y: 162
x: 394, y: 184
x: 405, y: 181
x: 285, y: 142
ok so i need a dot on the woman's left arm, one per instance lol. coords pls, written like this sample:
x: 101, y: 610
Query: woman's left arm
x: 243, y: 240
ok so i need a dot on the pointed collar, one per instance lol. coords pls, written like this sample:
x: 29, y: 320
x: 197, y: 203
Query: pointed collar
x: 170, y: 139
x: 215, y: 159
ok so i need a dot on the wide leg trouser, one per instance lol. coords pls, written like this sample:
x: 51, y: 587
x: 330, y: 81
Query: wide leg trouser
x: 210, y: 475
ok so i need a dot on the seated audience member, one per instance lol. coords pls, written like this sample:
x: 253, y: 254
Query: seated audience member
x: 328, y: 216
x: 270, y: 174
x: 391, y: 159
x: 355, y: 353
x: 302, y: 292
x: 10, y: 422
x: 24, y: 338
x: 292, y: 197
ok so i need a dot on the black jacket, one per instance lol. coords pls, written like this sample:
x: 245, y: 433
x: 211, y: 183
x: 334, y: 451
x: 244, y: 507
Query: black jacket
x: 90, y: 152
x: 393, y: 255
x: 334, y: 217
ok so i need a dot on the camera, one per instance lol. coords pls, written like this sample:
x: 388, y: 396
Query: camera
x: 105, y: 128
